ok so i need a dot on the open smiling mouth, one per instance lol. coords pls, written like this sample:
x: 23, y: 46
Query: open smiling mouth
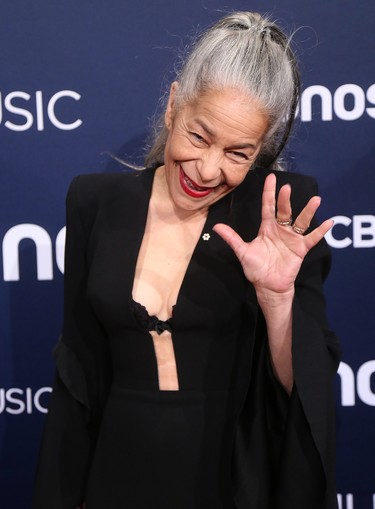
x: 191, y: 188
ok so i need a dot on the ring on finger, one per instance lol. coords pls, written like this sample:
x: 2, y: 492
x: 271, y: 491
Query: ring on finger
x: 283, y: 222
x: 298, y: 230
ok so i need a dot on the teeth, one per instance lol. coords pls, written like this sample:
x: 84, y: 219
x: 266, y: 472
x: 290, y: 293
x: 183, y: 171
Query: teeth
x: 191, y: 185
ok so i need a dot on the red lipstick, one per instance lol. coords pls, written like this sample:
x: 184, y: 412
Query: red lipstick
x: 191, y: 188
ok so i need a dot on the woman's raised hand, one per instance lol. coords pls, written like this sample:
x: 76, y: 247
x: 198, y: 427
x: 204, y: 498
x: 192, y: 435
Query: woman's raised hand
x: 273, y: 259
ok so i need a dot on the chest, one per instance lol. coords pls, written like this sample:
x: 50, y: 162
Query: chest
x: 191, y: 270
x: 209, y: 310
x: 204, y: 283
x: 162, y: 262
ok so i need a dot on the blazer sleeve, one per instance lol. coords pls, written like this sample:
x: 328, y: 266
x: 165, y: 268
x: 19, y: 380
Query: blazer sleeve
x: 285, y: 446
x: 82, y: 375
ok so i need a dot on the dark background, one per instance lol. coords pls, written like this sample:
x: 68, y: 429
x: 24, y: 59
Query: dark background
x: 117, y: 57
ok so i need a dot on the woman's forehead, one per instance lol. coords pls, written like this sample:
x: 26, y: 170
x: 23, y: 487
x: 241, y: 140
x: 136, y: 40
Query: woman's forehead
x: 230, y: 109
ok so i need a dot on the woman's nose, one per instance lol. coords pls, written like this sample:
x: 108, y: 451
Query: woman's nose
x: 209, y: 167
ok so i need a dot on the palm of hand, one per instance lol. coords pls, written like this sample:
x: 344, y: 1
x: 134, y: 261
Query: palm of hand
x: 273, y: 259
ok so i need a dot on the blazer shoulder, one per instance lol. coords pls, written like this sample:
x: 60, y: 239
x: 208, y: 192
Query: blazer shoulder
x: 99, y: 189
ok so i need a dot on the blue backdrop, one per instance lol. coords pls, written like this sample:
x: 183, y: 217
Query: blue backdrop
x: 80, y: 80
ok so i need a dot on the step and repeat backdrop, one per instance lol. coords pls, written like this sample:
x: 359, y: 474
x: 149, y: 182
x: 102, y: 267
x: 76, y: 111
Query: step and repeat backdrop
x: 79, y: 83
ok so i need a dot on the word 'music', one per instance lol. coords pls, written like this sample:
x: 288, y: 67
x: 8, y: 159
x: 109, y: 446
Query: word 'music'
x: 17, y: 401
x: 20, y: 111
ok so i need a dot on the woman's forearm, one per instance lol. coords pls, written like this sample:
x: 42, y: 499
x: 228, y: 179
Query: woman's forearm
x: 277, y: 311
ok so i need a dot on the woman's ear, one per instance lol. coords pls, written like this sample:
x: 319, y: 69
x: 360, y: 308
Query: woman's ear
x: 169, y: 112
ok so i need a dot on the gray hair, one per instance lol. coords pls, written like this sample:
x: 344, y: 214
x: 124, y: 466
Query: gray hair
x: 248, y: 52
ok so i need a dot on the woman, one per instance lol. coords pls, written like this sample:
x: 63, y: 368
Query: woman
x: 195, y: 366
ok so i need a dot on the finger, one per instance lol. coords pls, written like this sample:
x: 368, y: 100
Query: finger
x: 318, y: 233
x: 303, y: 220
x: 231, y: 238
x: 284, y: 208
x: 268, y: 197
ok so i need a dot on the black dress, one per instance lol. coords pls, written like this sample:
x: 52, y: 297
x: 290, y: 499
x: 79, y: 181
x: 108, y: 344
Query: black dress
x: 230, y: 437
x: 169, y: 449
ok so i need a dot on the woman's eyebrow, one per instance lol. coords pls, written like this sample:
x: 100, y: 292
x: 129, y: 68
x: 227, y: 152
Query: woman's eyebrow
x: 205, y: 127
x: 212, y: 133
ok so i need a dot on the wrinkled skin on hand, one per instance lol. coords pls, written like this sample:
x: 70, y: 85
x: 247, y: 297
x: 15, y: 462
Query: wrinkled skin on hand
x: 272, y: 260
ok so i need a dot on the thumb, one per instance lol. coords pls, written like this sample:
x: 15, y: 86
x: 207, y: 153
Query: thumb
x: 231, y: 238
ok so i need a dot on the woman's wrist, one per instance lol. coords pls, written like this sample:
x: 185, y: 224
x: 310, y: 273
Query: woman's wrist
x: 271, y: 301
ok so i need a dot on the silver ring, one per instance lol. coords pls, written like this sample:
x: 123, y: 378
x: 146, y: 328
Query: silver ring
x: 298, y: 230
x: 281, y: 222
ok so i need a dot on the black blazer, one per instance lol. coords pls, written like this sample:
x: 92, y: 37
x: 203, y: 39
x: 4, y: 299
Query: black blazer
x: 283, y: 455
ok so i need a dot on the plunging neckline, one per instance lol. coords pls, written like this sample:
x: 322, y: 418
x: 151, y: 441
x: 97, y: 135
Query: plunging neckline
x: 145, y: 211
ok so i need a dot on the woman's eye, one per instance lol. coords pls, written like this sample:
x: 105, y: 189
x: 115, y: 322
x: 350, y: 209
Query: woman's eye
x: 239, y: 155
x: 198, y: 137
